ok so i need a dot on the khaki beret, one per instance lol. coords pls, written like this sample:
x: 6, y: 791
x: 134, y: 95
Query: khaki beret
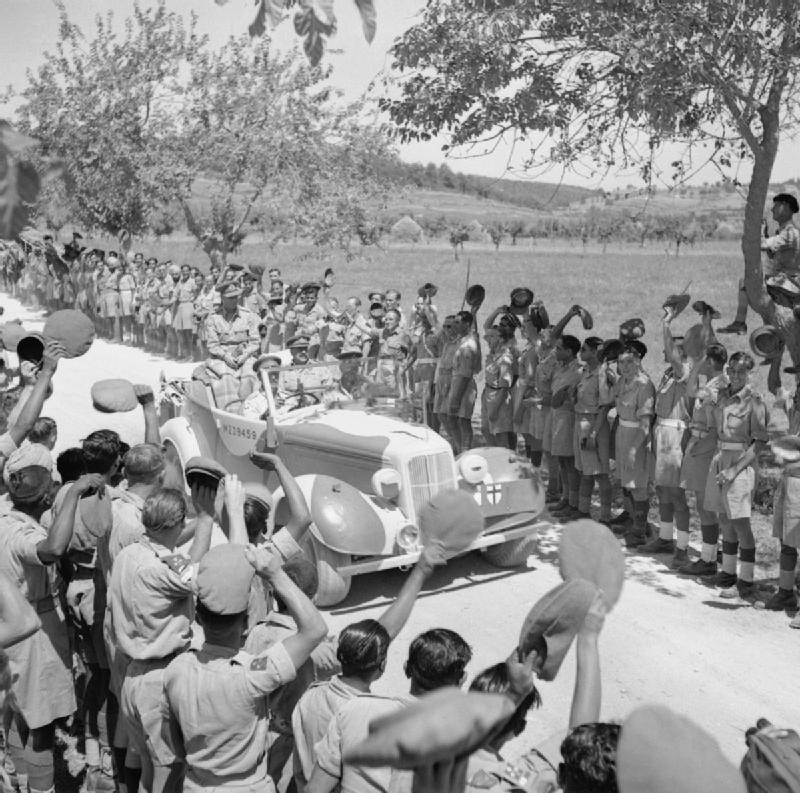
x: 590, y: 551
x: 224, y: 578
x: 205, y: 470
x: 443, y: 724
x: 452, y: 518
x: 556, y: 618
x: 693, y: 762
x: 72, y: 328
x: 114, y: 395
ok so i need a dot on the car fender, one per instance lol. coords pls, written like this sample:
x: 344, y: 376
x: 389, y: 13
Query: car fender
x: 178, y: 433
x: 344, y: 518
x: 510, y: 484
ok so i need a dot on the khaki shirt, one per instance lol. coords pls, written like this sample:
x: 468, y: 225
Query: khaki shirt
x: 587, y: 393
x: 217, y: 698
x: 783, y: 249
x: 311, y: 717
x: 348, y: 728
x: 636, y: 399
x: 704, y: 428
x: 238, y: 338
x: 151, y: 597
x: 466, y: 360
x: 20, y: 536
x: 741, y: 417
x: 126, y: 529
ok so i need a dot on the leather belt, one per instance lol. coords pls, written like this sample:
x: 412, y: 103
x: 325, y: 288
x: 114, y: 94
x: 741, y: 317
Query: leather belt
x: 731, y: 446
x: 699, y: 433
x: 631, y: 425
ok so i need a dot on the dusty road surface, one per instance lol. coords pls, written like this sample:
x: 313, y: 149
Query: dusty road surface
x: 669, y: 640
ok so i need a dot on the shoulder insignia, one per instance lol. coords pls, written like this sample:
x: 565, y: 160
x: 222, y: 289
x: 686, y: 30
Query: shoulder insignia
x: 259, y: 664
x: 177, y: 562
x: 482, y: 780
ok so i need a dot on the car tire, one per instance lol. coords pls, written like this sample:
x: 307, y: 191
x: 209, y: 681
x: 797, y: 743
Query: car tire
x: 333, y: 588
x: 513, y: 553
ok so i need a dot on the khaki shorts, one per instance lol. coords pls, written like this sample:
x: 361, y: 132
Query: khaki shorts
x: 786, y: 512
x: 467, y: 406
x: 143, y: 708
x: 736, y: 499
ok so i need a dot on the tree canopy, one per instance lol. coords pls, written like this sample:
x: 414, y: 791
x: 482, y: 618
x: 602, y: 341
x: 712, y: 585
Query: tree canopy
x: 153, y: 124
x: 609, y: 82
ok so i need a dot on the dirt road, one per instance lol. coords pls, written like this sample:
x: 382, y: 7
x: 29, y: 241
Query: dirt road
x: 669, y: 640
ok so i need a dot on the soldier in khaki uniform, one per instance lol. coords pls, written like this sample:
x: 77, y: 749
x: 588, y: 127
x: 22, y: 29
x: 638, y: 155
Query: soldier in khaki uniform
x: 634, y: 399
x: 463, y: 390
x: 217, y: 696
x: 41, y: 663
x: 151, y: 598
x: 673, y: 408
x: 232, y: 341
x: 740, y: 416
x: 108, y: 290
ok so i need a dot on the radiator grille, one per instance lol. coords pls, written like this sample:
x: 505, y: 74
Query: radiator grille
x: 429, y: 474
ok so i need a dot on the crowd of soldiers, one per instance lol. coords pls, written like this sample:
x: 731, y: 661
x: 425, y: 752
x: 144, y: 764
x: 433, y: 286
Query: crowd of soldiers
x: 180, y: 636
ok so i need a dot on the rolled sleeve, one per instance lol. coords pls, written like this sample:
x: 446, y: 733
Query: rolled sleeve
x: 7, y: 445
x: 25, y: 548
x: 270, y: 670
x: 285, y: 544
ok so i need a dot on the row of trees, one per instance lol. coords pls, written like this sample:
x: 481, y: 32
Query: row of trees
x: 156, y: 129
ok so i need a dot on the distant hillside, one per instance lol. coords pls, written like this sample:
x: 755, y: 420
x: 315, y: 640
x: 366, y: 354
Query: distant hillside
x: 457, y: 207
x: 544, y: 196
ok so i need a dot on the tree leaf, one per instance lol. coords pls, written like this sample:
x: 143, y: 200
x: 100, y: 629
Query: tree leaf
x: 258, y: 26
x: 368, y: 18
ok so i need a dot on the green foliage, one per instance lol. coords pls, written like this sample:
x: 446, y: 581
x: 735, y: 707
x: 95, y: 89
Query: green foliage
x: 94, y: 105
x: 314, y: 21
x: 140, y: 119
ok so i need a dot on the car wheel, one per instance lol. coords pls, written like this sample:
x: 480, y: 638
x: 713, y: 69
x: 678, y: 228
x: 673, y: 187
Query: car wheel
x: 333, y: 588
x: 513, y: 553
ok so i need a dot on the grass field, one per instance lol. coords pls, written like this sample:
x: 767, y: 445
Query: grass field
x: 626, y: 281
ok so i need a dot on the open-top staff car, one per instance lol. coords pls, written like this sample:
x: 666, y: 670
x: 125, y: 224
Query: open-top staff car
x: 365, y: 472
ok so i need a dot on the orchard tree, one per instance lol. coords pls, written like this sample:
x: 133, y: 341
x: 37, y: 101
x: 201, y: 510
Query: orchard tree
x: 611, y: 82
x: 515, y: 228
x: 97, y: 105
x: 496, y: 229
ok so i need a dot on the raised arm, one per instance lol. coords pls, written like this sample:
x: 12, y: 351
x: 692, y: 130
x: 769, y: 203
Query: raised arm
x: 299, y: 514
x: 396, y: 616
x: 558, y: 328
x: 671, y: 352
x: 32, y: 408
x: 311, y: 628
x: 55, y: 545
x: 587, y: 695
x: 148, y: 402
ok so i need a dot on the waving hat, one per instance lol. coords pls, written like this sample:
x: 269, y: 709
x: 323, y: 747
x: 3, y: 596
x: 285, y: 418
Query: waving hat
x: 204, y: 470
x: 766, y: 342
x: 539, y: 317
x: 589, y: 550
x: 631, y: 329
x: 677, y: 302
x: 693, y: 764
x: 452, y: 518
x: 72, y: 328
x: 586, y: 318
x: 114, y: 395
x: 475, y: 295
x: 438, y: 726
x: 31, y: 348
x: 428, y: 290
x: 556, y: 619
x: 701, y: 307
x: 11, y: 333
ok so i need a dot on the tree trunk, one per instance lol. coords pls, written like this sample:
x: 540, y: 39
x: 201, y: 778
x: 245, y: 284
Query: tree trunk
x: 781, y: 317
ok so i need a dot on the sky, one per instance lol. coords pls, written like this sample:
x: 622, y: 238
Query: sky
x: 29, y: 28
